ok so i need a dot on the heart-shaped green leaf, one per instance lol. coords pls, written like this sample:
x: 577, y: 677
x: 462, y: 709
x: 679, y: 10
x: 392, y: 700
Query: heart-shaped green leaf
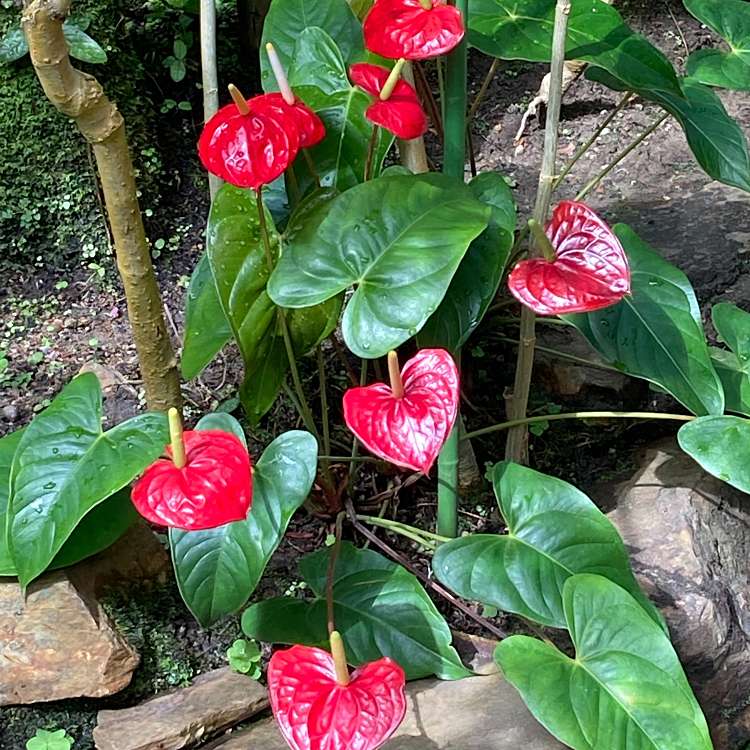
x: 624, y: 690
x: 733, y: 325
x: 240, y: 270
x: 399, y: 239
x: 8, y: 445
x: 81, y: 45
x: 217, y: 570
x: 65, y: 465
x: 653, y: 334
x: 475, y: 284
x: 286, y: 21
x: 522, y: 30
x: 721, y: 445
x: 207, y: 329
x: 716, y: 140
x: 13, y: 45
x: 733, y: 368
x: 524, y: 571
x: 380, y: 609
x: 220, y: 420
x: 730, y: 19
x: 57, y: 739
x: 319, y: 76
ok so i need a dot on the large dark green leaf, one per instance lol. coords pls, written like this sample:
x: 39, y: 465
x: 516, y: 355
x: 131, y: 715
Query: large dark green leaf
x: 653, y: 333
x: 13, y: 45
x: 319, y: 76
x: 218, y: 569
x: 398, y: 239
x: 288, y: 19
x: 733, y: 368
x: 8, y: 445
x: 475, y: 284
x: 730, y: 19
x: 65, y: 465
x: 522, y: 30
x: 733, y: 325
x: 207, y: 329
x: 721, y: 445
x: 716, y: 140
x: 554, y: 532
x: 625, y: 689
x: 380, y: 609
x: 81, y: 45
x: 240, y: 270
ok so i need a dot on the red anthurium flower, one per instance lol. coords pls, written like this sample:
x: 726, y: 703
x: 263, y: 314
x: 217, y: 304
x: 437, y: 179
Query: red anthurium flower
x: 296, y: 117
x: 590, y: 270
x: 214, y: 486
x: 406, y: 28
x: 317, y: 712
x: 408, y: 422
x: 250, y: 149
x: 401, y: 113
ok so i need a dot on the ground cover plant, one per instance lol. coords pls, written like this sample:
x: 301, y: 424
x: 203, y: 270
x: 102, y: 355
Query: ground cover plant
x: 317, y: 233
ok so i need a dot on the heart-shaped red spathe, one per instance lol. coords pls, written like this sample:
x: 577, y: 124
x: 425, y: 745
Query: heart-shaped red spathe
x: 401, y: 113
x: 403, y: 28
x: 590, y: 271
x: 408, y: 431
x: 213, y: 488
x: 315, y: 712
x: 296, y: 117
x: 250, y: 150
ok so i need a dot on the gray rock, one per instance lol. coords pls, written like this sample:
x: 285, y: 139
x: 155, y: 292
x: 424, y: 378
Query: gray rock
x: 58, y: 643
x: 479, y: 713
x: 689, y: 538
x: 182, y: 718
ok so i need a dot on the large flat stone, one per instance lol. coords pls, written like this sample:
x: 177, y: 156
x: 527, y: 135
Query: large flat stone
x: 58, y: 643
x: 479, y: 713
x: 182, y: 718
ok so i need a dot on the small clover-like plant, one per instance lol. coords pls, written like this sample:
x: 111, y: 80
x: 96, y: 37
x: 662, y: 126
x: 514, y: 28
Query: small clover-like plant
x: 244, y: 657
x: 57, y: 739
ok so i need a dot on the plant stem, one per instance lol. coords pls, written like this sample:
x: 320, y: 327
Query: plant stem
x: 311, y: 167
x: 412, y: 152
x: 371, y: 148
x: 483, y: 89
x: 454, y: 164
x: 210, y: 76
x: 401, y: 528
x: 621, y: 156
x: 426, y: 580
x: 355, y: 444
x: 577, y: 415
x: 516, y: 447
x: 324, y: 404
x: 591, y: 141
x: 331, y: 572
x: 304, y: 407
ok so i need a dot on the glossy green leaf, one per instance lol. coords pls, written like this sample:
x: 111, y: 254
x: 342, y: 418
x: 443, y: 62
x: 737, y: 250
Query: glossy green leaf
x: 478, y: 277
x: 522, y: 30
x: 8, y: 445
x: 733, y: 325
x: 240, y: 270
x: 729, y: 69
x: 82, y: 46
x: 625, y: 689
x: 65, y: 465
x: 380, y: 608
x: 218, y: 420
x: 218, y: 569
x: 319, y: 76
x: 735, y: 380
x: 398, y: 239
x: 99, y: 529
x: 554, y: 532
x: 207, y: 329
x: 653, y: 334
x: 287, y: 20
x: 716, y: 140
x: 721, y: 445
x: 13, y: 45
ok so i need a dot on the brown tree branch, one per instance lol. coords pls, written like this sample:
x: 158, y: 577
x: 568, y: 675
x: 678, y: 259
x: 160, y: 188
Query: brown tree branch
x: 80, y: 97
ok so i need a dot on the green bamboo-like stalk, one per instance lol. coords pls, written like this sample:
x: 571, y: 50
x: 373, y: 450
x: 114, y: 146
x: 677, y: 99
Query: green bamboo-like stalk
x: 454, y: 161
